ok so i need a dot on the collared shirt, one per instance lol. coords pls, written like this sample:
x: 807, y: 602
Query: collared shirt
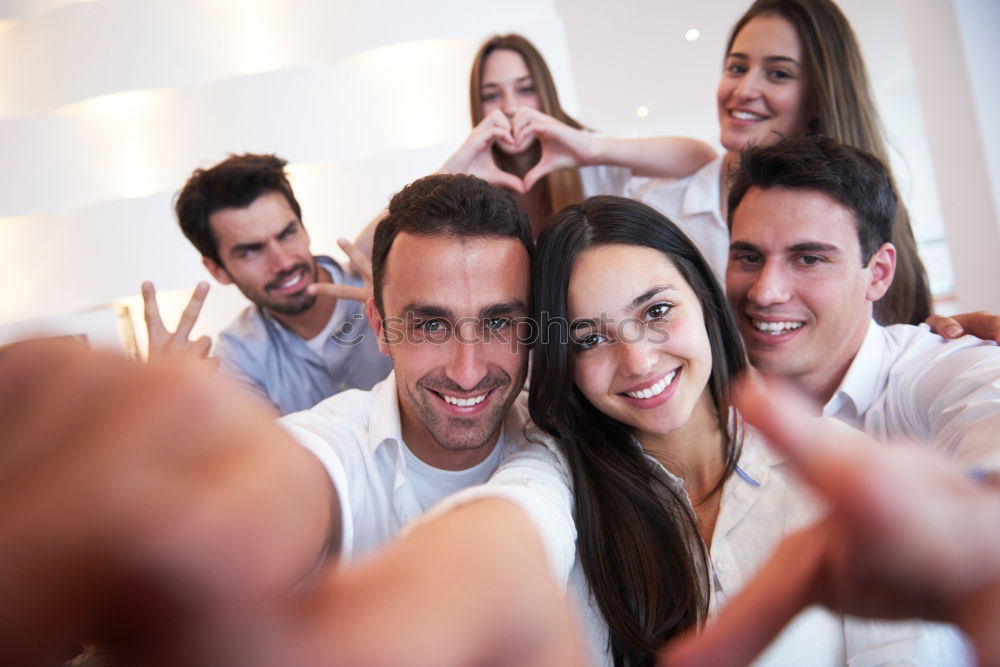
x: 692, y: 203
x: 278, y: 365
x: 761, y: 504
x: 382, y: 486
x: 908, y: 382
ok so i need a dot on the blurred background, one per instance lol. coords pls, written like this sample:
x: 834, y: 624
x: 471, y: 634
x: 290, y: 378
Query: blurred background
x: 106, y: 106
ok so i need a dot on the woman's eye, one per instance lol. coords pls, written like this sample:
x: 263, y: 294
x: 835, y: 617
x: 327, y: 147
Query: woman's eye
x: 589, y: 341
x: 490, y: 97
x: 658, y: 311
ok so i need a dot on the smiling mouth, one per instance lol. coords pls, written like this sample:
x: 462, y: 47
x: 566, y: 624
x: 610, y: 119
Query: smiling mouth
x: 295, y: 278
x: 775, y: 328
x: 656, y: 389
x: 746, y: 115
x: 463, y: 402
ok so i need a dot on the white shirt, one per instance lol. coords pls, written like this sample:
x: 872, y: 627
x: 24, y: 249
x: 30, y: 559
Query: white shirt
x: 907, y: 382
x: 761, y: 503
x: 382, y: 486
x: 692, y: 203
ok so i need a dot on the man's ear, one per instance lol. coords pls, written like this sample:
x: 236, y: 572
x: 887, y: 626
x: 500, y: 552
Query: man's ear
x: 377, y: 325
x: 217, y: 271
x: 882, y: 266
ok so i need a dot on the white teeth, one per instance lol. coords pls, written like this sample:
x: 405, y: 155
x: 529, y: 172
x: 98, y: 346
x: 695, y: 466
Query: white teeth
x: 746, y: 115
x: 655, y: 390
x: 775, y: 328
x: 292, y: 281
x: 464, y: 402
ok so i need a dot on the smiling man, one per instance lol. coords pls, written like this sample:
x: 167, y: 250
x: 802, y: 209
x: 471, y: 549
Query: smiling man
x: 291, y: 348
x: 810, y: 253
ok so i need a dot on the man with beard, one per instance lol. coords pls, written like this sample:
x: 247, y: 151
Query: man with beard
x: 291, y: 347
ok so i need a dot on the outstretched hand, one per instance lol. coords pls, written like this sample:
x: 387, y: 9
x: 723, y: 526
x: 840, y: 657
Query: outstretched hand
x: 163, y: 342
x: 475, y: 156
x: 361, y: 265
x: 906, y: 536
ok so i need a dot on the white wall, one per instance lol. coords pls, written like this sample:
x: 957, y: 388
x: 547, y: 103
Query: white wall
x: 106, y: 106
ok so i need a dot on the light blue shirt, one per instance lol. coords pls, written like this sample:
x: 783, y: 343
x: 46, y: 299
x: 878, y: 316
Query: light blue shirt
x: 276, y: 364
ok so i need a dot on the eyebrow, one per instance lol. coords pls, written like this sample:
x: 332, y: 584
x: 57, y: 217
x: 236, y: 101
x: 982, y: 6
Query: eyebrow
x: 512, y: 308
x: 518, y: 80
x: 768, y: 59
x: 257, y: 245
x: 646, y: 296
x: 585, y: 322
x: 805, y: 246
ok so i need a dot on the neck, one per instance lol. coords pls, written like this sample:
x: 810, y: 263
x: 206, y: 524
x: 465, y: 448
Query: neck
x: 693, y: 451
x: 423, y: 445
x: 310, y: 322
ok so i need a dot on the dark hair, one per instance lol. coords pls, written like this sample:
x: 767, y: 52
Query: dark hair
x: 851, y: 177
x: 236, y: 182
x: 637, y: 537
x: 843, y: 107
x: 456, y: 205
x: 564, y: 186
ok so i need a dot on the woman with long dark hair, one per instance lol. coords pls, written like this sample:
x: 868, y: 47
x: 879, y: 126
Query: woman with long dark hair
x: 675, y: 502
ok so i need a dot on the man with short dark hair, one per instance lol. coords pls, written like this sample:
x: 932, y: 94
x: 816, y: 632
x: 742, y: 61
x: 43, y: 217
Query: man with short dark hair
x: 810, y: 253
x: 291, y: 347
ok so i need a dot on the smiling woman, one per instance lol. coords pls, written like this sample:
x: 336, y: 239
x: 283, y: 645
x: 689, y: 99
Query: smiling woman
x: 675, y: 501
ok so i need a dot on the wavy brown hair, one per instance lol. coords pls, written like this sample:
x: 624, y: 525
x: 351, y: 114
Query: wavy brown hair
x: 844, y: 109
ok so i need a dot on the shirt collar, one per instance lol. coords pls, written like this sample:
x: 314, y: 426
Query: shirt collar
x: 384, y: 424
x: 856, y: 392
x: 702, y: 194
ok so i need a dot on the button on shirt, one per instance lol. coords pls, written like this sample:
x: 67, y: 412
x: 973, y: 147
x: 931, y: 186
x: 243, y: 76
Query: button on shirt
x: 908, y: 382
x: 261, y: 354
x: 382, y: 486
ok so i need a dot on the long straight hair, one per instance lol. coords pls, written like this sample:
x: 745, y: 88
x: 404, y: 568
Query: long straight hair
x: 564, y: 187
x: 844, y: 109
x: 637, y: 536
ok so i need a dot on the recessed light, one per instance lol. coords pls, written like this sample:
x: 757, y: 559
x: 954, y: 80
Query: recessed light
x: 692, y: 34
x: 642, y: 111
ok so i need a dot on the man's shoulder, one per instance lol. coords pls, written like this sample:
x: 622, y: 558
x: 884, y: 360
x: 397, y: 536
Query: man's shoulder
x: 341, y: 420
x: 248, y: 328
x: 915, y: 347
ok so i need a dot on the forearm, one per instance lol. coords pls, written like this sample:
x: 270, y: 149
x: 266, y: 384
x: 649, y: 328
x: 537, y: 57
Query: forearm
x: 472, y: 586
x: 664, y: 157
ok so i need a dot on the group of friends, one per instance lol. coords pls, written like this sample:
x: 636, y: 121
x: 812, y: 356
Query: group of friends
x: 707, y: 465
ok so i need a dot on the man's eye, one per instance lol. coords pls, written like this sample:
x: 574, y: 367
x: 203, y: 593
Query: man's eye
x: 810, y: 260
x: 495, y: 323
x: 432, y: 326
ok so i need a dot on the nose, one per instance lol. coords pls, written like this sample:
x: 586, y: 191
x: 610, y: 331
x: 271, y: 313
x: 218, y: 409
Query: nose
x: 770, y: 286
x: 509, y: 103
x: 279, y: 259
x: 467, y: 363
x: 748, y: 87
x: 635, y: 358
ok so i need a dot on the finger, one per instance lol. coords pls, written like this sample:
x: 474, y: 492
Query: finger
x: 151, y: 312
x: 360, y: 262
x: 945, y: 326
x: 191, y: 312
x: 202, y: 347
x: 339, y: 291
x: 505, y: 180
x: 787, y: 583
x: 537, y: 173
